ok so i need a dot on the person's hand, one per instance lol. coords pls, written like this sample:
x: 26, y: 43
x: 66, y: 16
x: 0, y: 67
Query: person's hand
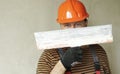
x: 71, y: 56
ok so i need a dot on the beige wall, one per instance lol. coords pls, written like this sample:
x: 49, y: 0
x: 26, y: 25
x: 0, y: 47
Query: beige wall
x: 19, y: 19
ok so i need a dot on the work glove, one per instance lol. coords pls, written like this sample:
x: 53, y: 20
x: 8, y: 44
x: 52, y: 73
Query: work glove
x: 71, y: 56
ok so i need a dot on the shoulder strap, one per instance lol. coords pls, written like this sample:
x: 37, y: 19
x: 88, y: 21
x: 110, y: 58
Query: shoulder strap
x: 95, y: 58
x: 60, y: 51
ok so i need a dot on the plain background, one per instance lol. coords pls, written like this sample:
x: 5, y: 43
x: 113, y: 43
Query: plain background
x: 19, y: 19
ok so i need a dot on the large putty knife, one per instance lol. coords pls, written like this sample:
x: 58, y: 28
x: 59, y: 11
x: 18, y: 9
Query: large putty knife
x: 74, y: 37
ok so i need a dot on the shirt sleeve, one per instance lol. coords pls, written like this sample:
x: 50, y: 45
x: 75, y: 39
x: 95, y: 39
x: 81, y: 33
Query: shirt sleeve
x: 44, y: 64
x: 103, y: 60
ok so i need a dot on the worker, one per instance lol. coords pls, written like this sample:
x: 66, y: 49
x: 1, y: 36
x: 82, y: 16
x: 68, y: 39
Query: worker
x: 88, y: 59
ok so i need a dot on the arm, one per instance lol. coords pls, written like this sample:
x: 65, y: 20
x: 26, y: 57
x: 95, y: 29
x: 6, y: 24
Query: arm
x: 44, y: 63
x: 59, y: 68
x: 105, y: 65
x: 103, y: 59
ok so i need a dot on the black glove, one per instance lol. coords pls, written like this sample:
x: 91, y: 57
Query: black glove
x: 72, y: 55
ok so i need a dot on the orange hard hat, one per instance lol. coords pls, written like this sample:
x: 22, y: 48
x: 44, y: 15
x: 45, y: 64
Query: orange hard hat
x: 71, y: 11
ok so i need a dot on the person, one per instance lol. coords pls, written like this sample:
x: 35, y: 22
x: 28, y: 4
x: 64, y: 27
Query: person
x: 73, y: 60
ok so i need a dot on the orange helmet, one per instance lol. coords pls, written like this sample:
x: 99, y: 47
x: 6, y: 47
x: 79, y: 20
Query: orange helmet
x: 71, y: 11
